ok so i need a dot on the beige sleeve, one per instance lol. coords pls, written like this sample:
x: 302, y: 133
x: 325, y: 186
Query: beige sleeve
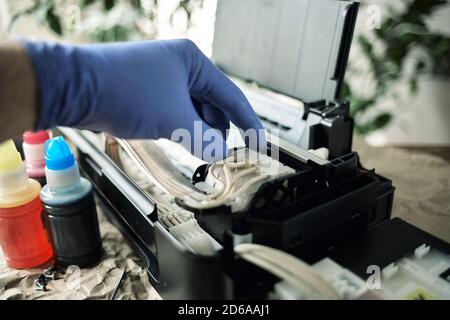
x: 18, y: 92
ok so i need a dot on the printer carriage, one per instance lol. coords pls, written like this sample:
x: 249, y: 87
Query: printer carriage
x: 315, y: 212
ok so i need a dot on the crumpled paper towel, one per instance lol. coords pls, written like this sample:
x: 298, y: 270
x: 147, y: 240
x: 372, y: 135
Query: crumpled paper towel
x: 98, y: 282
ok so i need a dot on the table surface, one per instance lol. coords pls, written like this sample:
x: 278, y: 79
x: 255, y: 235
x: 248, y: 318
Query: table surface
x: 422, y: 197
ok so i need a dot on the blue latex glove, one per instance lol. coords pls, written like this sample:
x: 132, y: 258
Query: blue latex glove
x: 139, y: 90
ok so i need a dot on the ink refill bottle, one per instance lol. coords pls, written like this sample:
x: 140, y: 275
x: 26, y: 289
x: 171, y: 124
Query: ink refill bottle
x: 22, y: 235
x: 34, y: 152
x: 70, y: 213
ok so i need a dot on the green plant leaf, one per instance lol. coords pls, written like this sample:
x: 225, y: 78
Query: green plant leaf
x: 382, y: 120
x: 379, y: 122
x: 136, y: 4
x: 85, y: 3
x: 109, y: 4
x: 365, y: 44
x: 346, y: 91
x: 360, y: 105
x: 402, y: 30
x: 53, y: 21
x: 420, y: 65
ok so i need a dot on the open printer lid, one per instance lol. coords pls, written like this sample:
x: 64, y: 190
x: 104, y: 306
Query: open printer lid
x: 296, y: 47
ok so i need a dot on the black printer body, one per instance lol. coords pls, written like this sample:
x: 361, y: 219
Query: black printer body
x: 328, y: 208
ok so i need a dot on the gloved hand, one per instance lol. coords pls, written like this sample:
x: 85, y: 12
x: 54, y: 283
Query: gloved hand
x: 141, y: 90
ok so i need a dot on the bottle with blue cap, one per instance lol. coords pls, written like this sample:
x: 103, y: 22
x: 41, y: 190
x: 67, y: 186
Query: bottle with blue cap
x: 69, y: 208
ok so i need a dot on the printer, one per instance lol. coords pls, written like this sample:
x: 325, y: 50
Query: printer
x: 322, y: 207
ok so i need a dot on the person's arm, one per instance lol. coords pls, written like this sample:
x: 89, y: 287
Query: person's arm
x: 18, y: 92
x: 136, y: 90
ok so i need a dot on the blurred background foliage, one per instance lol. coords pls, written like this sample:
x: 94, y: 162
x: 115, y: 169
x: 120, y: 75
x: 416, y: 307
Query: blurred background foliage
x: 403, y: 37
x: 104, y: 20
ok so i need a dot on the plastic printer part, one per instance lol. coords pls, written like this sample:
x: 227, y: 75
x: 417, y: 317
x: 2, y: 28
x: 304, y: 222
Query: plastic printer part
x: 321, y: 213
x: 178, y: 221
